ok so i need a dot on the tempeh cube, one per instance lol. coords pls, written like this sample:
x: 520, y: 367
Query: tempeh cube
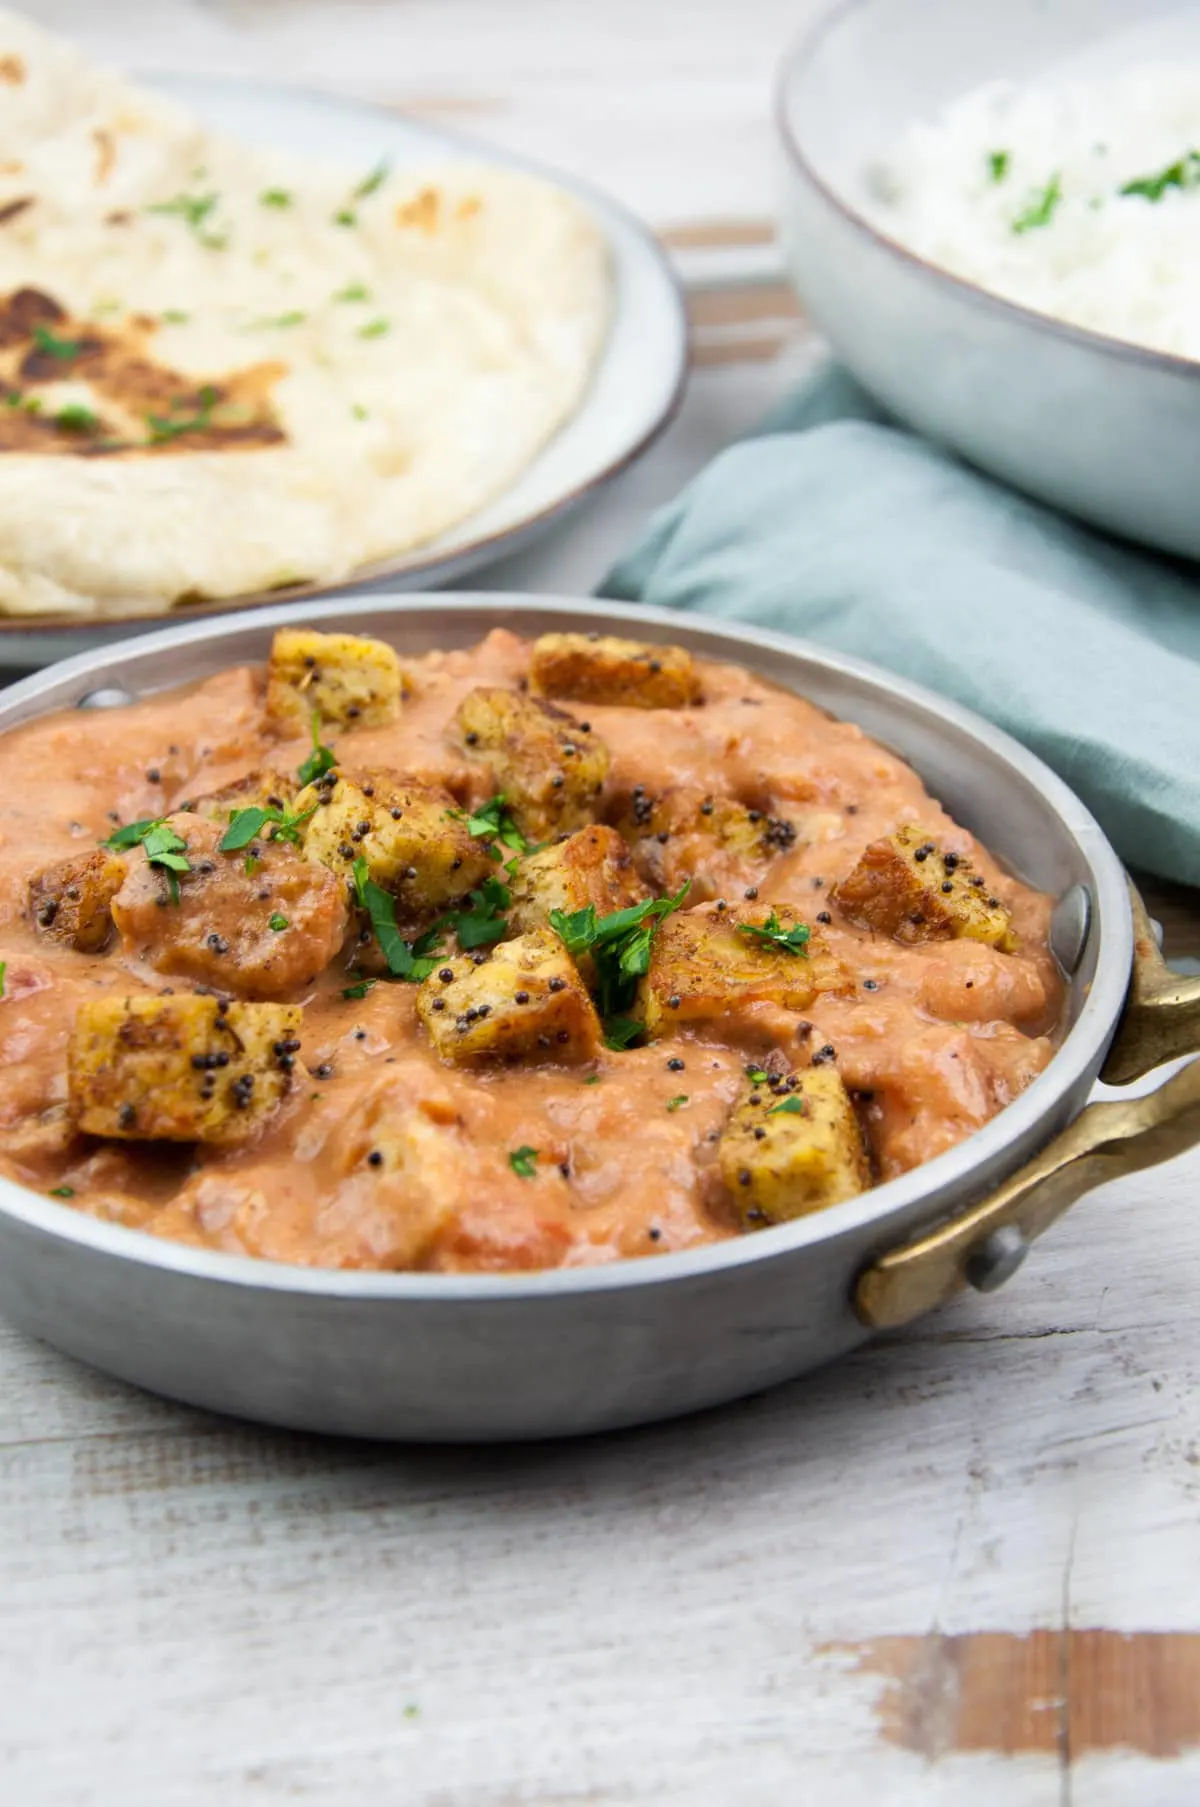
x: 413, y: 838
x: 525, y: 999
x: 351, y: 681
x: 702, y: 965
x: 600, y: 668
x: 258, y: 790
x: 688, y: 832
x: 907, y: 888
x: 179, y: 1069
x: 793, y: 1149
x: 590, y: 867
x: 72, y: 902
x: 550, y: 768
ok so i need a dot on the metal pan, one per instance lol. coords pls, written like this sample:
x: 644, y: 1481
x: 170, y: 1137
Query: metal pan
x: 458, y: 1358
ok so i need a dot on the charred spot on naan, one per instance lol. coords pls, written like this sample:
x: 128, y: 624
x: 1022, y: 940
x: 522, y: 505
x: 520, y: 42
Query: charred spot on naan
x: 147, y: 406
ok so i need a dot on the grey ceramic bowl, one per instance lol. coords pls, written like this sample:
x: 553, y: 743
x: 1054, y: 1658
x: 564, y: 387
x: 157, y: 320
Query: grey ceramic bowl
x: 1088, y: 423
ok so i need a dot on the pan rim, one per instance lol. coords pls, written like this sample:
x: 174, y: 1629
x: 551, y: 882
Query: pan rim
x: 959, y: 1168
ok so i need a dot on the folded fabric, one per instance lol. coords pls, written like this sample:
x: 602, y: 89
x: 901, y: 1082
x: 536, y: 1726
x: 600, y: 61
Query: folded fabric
x: 834, y: 523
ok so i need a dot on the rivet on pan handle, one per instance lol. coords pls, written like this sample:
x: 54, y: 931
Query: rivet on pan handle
x: 985, y: 1245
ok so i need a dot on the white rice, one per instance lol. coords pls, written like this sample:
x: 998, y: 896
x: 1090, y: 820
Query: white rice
x: 1019, y: 190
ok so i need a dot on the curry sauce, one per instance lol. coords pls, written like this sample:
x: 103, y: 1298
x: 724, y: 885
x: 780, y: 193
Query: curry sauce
x: 530, y: 955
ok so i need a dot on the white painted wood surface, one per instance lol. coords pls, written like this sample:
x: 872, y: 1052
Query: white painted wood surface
x: 194, y: 1613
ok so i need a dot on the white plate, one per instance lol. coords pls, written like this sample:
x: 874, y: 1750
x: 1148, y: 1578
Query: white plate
x: 632, y: 396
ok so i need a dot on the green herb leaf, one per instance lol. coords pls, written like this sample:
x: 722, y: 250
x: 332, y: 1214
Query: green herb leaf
x: 483, y: 923
x: 163, y: 848
x: 359, y: 412
x: 251, y: 866
x: 998, y: 162
x: 493, y: 822
x: 523, y: 1161
x: 790, y: 1107
x: 193, y: 210
x: 3, y: 973
x: 374, y: 329
x: 321, y: 759
x: 353, y: 291
x: 620, y: 1032
x: 175, y: 316
x: 164, y: 427
x: 132, y: 835
x: 370, y: 183
x: 773, y: 934
x: 678, y: 1102
x: 592, y: 1079
x: 278, y: 923
x: 345, y: 216
x: 64, y: 349
x: 62, y: 1192
x: 246, y: 824
x: 1182, y: 174
x: 756, y: 1076
x: 620, y: 948
x: 76, y: 419
x: 269, y: 321
x: 403, y: 961
x: 1041, y: 208
x: 361, y: 989
x: 275, y: 197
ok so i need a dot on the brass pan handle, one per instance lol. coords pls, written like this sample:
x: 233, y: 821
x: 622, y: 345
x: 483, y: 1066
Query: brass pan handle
x: 985, y: 1244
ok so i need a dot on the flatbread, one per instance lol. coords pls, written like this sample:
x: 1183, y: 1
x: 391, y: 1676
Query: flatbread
x: 223, y: 371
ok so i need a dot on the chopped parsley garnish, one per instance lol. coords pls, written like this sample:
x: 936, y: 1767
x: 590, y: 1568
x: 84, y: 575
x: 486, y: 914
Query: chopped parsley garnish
x: 1184, y: 173
x: 405, y: 961
x: 245, y: 824
x: 321, y: 759
x: 175, y: 316
x: 274, y: 197
x: 358, y: 411
x: 345, y: 216
x: 361, y: 989
x: 164, y: 427
x: 163, y: 848
x: 294, y: 318
x: 1040, y: 210
x: 677, y: 1103
x: 483, y: 923
x: 353, y: 291
x: 278, y: 923
x: 493, y: 822
x: 592, y: 1079
x: 619, y: 945
x: 62, y: 1191
x: 49, y: 342
x: 789, y: 1107
x: 374, y: 329
x: 371, y: 182
x: 998, y: 162
x: 76, y: 419
x: 3, y: 972
x: 523, y: 1161
x: 773, y: 934
x: 194, y: 210
x: 757, y: 1076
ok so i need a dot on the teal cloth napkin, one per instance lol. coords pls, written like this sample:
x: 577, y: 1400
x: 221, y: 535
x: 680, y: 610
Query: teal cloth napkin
x: 834, y: 523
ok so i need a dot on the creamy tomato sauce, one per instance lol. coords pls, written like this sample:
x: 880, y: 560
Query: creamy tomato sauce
x: 931, y: 1039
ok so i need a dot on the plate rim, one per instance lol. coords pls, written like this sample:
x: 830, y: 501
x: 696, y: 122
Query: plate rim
x: 454, y: 560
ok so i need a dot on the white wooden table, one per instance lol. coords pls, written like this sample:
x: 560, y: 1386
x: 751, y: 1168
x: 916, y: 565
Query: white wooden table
x: 962, y: 1567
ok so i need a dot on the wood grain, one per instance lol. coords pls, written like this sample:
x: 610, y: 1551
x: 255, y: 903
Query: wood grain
x: 1064, y: 1693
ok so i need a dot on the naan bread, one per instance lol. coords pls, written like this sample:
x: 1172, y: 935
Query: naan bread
x: 223, y: 371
